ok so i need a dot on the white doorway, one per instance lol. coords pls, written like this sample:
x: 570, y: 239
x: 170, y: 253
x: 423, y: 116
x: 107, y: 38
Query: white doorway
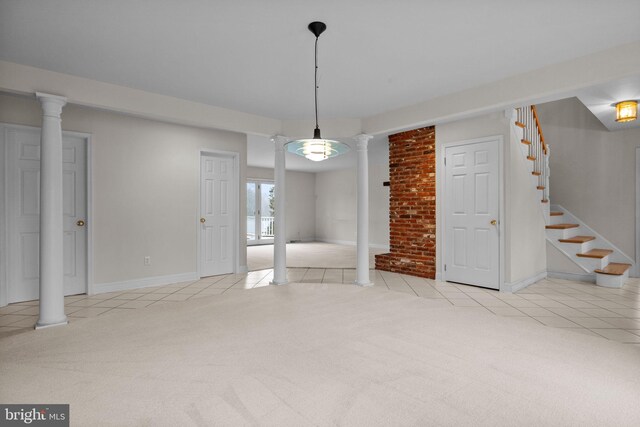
x: 20, y: 148
x: 218, y: 227
x: 260, y: 212
x: 472, y: 182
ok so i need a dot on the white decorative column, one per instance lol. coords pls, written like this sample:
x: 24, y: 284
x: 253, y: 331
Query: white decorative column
x: 280, y: 235
x: 362, y: 266
x: 51, y: 225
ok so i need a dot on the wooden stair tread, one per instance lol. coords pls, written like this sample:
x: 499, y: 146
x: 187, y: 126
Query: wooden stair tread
x: 596, y: 253
x: 520, y: 124
x: 614, y: 269
x: 544, y: 201
x: 561, y: 226
x: 532, y: 158
x: 536, y: 173
x: 556, y: 213
x: 578, y: 239
x: 540, y: 187
x: 524, y: 141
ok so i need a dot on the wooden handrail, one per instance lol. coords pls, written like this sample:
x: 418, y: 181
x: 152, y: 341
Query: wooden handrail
x: 535, y: 116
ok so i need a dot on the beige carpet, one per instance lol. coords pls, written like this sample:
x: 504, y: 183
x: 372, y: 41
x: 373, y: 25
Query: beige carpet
x: 319, y: 354
x: 312, y: 255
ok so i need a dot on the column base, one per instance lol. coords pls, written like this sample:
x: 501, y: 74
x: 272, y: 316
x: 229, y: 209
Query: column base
x: 286, y: 282
x: 363, y: 284
x: 40, y: 325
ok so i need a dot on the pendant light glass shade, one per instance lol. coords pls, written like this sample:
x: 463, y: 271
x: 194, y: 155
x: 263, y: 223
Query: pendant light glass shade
x: 317, y: 148
x: 626, y: 111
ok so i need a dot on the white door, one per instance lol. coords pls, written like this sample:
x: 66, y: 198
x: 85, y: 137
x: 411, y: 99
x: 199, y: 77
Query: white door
x: 22, y: 156
x: 472, y: 187
x: 217, y: 215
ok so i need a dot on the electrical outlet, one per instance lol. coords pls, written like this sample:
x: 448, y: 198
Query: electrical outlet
x: 147, y: 260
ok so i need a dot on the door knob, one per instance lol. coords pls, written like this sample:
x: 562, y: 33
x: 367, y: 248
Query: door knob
x: 80, y: 223
x: 494, y: 222
x: 202, y: 220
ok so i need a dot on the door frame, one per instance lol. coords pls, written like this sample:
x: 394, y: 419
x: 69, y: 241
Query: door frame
x: 4, y: 231
x: 235, y: 156
x: 260, y: 181
x: 441, y: 175
x: 635, y: 272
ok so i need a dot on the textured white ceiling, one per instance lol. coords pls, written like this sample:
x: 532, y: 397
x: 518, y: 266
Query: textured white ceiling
x: 256, y: 56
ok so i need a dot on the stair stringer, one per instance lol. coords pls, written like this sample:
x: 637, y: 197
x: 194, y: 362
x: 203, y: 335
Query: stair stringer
x: 517, y: 133
x: 570, y: 250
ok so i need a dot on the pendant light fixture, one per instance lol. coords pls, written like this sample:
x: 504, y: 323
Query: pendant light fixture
x: 317, y: 148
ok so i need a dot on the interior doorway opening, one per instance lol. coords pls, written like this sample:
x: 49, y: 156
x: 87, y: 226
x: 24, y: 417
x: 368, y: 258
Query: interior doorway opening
x: 260, y: 212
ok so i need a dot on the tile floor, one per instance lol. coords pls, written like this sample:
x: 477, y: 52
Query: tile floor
x: 575, y: 306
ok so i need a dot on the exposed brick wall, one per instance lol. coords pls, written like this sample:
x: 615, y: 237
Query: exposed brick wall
x: 412, y: 204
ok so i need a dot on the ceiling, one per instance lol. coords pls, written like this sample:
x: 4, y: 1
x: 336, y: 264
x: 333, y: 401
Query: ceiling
x: 601, y: 101
x: 256, y: 56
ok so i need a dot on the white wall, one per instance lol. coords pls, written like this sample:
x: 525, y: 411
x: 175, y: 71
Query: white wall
x: 145, y: 177
x: 336, y: 201
x: 524, y: 224
x: 592, y: 171
x: 301, y: 201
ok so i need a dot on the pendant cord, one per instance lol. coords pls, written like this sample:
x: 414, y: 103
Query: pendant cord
x: 316, y: 83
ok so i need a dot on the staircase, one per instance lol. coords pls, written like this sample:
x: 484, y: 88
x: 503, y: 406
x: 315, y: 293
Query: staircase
x: 585, y: 247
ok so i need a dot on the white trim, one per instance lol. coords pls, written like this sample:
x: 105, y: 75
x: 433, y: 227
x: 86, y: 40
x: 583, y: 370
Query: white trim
x: 440, y: 175
x: 146, y: 282
x: 4, y: 232
x: 636, y: 267
x: 521, y: 284
x: 352, y: 243
x: 236, y: 201
x: 572, y: 276
x: 3, y: 203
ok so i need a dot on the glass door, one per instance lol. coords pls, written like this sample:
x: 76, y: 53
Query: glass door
x: 260, y: 212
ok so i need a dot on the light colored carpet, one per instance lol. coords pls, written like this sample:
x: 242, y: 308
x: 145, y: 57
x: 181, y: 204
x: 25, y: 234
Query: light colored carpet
x: 321, y: 354
x: 312, y: 255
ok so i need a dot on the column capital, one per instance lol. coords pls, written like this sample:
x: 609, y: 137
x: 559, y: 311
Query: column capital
x: 362, y: 140
x: 280, y: 140
x: 51, y: 104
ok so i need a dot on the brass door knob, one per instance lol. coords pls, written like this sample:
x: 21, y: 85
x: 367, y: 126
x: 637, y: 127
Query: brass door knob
x: 494, y: 222
x: 80, y: 223
x: 202, y: 220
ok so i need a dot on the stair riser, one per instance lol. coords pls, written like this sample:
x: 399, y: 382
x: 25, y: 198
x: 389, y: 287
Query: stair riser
x: 610, y: 281
x: 557, y: 219
x: 575, y: 248
x: 593, y: 263
x: 562, y: 234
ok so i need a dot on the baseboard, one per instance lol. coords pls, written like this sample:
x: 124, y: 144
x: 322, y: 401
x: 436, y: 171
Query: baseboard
x: 572, y: 276
x: 438, y: 276
x: 146, y: 282
x: 302, y: 240
x: 521, y: 284
x: 352, y: 243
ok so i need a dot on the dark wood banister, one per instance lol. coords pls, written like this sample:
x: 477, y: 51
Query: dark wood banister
x: 535, y: 116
